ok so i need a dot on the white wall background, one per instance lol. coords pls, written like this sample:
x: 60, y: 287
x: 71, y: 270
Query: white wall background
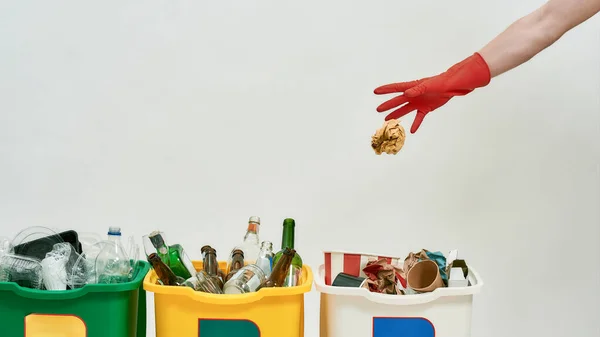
x: 190, y: 116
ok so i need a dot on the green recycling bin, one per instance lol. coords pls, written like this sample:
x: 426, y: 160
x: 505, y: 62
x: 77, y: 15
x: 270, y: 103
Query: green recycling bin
x: 95, y: 310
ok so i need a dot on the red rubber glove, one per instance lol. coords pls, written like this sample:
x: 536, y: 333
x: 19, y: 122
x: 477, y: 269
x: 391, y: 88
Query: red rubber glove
x: 430, y: 93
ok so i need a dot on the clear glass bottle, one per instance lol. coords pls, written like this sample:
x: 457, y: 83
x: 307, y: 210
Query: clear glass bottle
x: 265, y: 257
x: 245, y: 280
x: 112, y: 264
x: 287, y: 241
x: 251, y: 244
x: 204, y: 283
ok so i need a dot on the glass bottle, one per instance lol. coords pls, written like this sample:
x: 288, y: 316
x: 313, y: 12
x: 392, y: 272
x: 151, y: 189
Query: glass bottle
x: 112, y: 263
x: 265, y: 257
x: 211, y: 265
x: 246, y: 280
x: 173, y: 256
x: 287, y: 241
x: 204, y: 283
x: 163, y: 272
x: 251, y: 242
x: 237, y: 263
x: 280, y: 270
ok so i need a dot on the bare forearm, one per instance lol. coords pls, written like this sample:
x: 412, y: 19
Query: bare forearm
x: 533, y: 33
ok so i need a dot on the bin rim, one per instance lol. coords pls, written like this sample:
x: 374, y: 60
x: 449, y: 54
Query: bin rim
x: 476, y: 285
x: 228, y: 299
x: 342, y: 251
x: 53, y: 295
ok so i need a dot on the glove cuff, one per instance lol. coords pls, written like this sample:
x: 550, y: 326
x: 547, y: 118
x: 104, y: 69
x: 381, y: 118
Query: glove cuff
x: 471, y: 73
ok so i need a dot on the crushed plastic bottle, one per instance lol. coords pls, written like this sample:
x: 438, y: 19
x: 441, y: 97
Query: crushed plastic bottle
x: 54, y: 266
x: 4, y: 245
x: 112, y: 264
x: 25, y: 271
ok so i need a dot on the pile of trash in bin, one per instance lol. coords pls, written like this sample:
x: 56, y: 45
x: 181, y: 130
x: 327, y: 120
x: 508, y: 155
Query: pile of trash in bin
x: 40, y: 258
x: 251, y: 265
x: 419, y: 272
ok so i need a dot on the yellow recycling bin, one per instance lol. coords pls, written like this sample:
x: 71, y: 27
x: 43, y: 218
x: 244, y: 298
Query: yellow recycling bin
x: 269, y: 312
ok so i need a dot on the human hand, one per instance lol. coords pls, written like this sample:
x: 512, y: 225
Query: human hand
x: 430, y: 93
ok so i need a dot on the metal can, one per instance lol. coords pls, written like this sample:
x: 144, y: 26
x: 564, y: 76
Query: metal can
x: 245, y: 280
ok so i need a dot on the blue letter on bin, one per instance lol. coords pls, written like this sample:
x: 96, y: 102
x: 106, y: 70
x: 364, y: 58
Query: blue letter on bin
x: 402, y: 327
x: 227, y: 328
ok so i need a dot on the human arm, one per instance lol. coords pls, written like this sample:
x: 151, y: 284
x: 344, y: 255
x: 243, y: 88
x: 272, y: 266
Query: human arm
x: 516, y: 45
x: 533, y: 33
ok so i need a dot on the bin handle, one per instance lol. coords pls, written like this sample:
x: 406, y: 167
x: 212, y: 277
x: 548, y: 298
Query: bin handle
x: 476, y: 285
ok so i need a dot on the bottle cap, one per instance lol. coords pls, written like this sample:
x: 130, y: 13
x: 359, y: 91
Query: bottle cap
x: 254, y: 218
x: 114, y: 231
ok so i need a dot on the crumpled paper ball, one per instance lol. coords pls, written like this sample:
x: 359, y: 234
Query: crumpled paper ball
x: 389, y: 138
x: 384, y: 278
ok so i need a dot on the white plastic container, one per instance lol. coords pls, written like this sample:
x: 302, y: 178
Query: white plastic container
x: 445, y: 312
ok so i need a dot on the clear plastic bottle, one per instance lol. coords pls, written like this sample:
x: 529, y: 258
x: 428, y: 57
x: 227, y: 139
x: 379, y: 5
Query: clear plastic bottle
x: 112, y: 264
x: 251, y: 244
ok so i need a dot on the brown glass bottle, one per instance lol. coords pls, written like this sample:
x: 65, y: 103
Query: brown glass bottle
x: 280, y: 270
x: 164, y: 273
x: 209, y: 260
x: 211, y: 265
x: 237, y: 262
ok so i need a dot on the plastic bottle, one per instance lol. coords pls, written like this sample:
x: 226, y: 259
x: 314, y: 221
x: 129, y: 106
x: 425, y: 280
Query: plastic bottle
x: 112, y: 264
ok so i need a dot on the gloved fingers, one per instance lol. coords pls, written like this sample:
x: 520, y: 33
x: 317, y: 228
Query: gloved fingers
x: 417, y: 122
x: 403, y: 110
x: 392, y: 103
x: 434, y: 85
x: 395, y: 87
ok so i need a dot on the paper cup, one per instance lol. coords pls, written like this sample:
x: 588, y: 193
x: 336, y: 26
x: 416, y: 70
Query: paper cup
x: 424, y: 277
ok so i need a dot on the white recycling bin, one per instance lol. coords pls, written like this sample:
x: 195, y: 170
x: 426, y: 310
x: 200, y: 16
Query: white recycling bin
x: 357, y: 312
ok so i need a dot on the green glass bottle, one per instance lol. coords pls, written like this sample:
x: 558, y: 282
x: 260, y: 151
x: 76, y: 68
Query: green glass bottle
x: 287, y: 241
x: 173, y: 256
